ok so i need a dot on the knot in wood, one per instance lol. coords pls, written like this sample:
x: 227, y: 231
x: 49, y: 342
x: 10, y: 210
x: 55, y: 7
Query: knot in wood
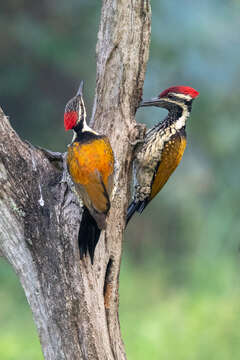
x: 137, y: 134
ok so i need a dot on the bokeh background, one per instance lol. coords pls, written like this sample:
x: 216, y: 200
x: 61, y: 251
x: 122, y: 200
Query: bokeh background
x: 179, y: 286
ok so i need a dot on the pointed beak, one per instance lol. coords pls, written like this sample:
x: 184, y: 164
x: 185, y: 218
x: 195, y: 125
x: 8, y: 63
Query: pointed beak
x: 152, y: 102
x: 80, y: 89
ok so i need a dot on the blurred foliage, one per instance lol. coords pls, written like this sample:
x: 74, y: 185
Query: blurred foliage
x: 179, y: 291
x: 197, y: 320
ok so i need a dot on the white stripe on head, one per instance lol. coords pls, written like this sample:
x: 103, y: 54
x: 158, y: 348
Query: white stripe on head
x: 82, y: 117
x: 74, y: 136
x: 182, y: 96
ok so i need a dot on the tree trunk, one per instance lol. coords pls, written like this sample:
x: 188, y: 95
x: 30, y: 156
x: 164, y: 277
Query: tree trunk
x: 75, y: 304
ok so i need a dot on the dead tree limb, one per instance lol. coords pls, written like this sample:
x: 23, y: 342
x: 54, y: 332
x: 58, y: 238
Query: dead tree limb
x: 75, y: 304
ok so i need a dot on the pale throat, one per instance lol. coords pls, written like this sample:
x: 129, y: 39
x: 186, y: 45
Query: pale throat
x: 181, y: 122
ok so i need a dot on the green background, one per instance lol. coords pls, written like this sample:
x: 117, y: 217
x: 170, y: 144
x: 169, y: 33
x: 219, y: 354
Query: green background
x: 179, y: 284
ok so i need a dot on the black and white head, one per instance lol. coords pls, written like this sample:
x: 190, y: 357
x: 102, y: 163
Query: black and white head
x: 75, y: 113
x: 173, y: 96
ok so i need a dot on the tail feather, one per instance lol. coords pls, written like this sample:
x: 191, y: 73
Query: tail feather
x: 135, y: 206
x: 88, y: 236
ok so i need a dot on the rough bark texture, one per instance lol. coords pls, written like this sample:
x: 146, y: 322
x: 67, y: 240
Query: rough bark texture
x: 75, y: 304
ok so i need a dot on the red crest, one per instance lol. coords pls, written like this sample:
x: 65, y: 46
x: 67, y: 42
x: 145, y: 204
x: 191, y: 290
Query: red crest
x: 70, y: 119
x: 185, y: 90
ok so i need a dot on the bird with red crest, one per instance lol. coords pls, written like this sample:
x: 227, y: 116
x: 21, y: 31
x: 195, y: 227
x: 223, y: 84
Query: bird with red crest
x: 90, y: 163
x: 158, y: 156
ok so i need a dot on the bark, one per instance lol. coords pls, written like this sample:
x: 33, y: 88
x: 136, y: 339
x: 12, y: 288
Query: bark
x: 75, y: 304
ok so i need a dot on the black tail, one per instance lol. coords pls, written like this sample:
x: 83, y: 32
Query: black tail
x: 88, y: 236
x: 135, y: 206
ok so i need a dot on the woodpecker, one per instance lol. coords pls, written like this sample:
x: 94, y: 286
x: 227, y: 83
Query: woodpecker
x: 90, y: 162
x: 163, y: 147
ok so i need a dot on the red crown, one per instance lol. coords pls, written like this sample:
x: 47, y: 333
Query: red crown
x: 185, y: 90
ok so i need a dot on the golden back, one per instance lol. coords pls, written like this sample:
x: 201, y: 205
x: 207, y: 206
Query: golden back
x: 171, y: 157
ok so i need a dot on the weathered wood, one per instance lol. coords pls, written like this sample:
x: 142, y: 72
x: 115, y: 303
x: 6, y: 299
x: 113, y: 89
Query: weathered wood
x: 75, y: 304
x: 122, y: 53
